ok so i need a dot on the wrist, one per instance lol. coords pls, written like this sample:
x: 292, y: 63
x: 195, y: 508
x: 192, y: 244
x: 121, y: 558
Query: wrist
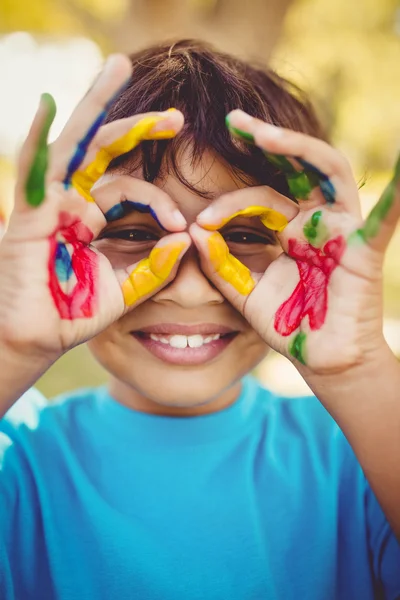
x: 19, y: 370
x: 378, y: 367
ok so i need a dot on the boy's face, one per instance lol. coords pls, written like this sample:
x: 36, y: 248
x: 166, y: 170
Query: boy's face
x: 151, y: 374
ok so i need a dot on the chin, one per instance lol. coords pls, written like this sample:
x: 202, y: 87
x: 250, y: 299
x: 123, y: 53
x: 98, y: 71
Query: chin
x: 139, y: 375
x: 185, y: 389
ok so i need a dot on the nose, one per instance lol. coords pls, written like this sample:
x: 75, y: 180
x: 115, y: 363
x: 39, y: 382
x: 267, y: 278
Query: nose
x: 190, y: 288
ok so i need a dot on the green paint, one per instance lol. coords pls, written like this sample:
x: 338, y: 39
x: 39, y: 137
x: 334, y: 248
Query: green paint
x: 316, y: 217
x: 380, y: 211
x: 315, y: 231
x: 299, y: 185
x: 297, y: 347
x: 35, y: 182
x: 247, y: 137
x: 282, y: 163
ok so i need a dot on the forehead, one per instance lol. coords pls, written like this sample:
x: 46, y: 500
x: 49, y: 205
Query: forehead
x: 210, y: 176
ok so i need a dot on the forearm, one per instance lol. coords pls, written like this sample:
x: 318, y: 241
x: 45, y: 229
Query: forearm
x: 18, y: 372
x: 365, y: 402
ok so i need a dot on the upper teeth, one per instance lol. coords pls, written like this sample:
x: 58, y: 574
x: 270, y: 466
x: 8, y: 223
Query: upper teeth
x: 181, y: 341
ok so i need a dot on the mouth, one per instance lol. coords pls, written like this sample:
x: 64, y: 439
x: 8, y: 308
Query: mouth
x: 186, y: 345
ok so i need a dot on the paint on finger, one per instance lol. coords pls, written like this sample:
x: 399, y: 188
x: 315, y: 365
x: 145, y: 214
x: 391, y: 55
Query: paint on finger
x: 300, y: 183
x: 72, y: 269
x: 380, y: 211
x: 125, y: 207
x: 83, y: 144
x: 35, y: 182
x: 318, y: 178
x: 84, y: 180
x: 151, y: 272
x: 239, y: 133
x: 297, y: 347
x: 228, y: 266
x: 270, y: 218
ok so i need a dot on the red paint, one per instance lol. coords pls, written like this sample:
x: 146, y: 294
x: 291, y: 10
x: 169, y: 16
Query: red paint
x: 80, y: 302
x: 310, y: 297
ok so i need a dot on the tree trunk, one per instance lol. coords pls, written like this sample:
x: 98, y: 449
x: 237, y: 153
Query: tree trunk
x: 249, y: 29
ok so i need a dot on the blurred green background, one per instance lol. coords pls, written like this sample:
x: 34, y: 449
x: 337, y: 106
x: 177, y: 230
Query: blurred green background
x: 345, y: 54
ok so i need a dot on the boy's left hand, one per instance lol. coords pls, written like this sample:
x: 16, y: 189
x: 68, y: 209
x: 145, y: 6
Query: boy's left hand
x: 320, y: 301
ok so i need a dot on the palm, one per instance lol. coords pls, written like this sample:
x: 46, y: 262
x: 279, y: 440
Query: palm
x: 62, y: 290
x: 322, y: 293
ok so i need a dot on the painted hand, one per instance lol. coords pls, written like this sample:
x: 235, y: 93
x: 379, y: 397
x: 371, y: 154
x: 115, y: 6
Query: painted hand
x: 317, y: 297
x: 58, y: 289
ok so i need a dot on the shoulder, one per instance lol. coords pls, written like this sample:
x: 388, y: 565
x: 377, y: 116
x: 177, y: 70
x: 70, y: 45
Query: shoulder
x: 34, y: 415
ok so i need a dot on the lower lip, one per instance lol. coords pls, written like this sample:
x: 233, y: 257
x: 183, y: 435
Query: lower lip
x: 185, y: 356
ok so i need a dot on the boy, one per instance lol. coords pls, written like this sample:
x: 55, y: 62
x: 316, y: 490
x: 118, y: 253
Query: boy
x: 181, y: 262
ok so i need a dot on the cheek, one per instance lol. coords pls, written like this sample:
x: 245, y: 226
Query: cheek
x: 258, y: 261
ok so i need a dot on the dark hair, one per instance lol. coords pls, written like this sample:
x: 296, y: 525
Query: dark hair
x: 206, y: 85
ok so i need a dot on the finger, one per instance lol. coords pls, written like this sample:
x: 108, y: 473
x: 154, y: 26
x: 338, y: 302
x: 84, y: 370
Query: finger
x: 257, y: 296
x: 123, y: 137
x: 274, y: 210
x: 118, y: 195
x: 69, y: 150
x: 381, y: 223
x: 33, y: 160
x: 143, y: 279
x: 2, y: 222
x: 229, y: 275
x: 171, y: 121
x: 322, y: 165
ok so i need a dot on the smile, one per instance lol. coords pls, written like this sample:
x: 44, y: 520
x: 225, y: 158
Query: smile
x: 172, y: 345
x: 183, y: 341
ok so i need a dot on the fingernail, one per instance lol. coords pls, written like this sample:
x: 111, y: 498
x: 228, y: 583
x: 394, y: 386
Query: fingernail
x: 271, y: 131
x: 206, y: 215
x: 245, y: 119
x: 161, y: 124
x: 178, y: 217
x: 109, y: 64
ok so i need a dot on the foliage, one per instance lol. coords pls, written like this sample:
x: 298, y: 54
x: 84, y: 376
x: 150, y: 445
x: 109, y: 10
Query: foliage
x: 348, y: 54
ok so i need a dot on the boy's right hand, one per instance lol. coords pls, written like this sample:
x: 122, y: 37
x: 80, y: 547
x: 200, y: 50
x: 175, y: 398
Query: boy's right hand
x: 56, y: 290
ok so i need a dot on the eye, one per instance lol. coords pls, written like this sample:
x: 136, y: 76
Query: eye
x: 247, y: 237
x: 131, y: 235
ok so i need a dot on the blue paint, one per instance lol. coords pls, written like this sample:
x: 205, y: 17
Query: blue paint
x: 115, y: 213
x: 64, y: 268
x: 127, y: 206
x: 83, y: 144
x: 81, y: 149
x: 327, y: 187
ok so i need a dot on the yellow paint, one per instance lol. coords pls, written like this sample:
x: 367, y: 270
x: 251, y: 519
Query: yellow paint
x: 229, y: 267
x: 269, y: 217
x: 151, y: 272
x: 83, y: 181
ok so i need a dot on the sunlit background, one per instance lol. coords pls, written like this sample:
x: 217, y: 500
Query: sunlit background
x: 345, y: 54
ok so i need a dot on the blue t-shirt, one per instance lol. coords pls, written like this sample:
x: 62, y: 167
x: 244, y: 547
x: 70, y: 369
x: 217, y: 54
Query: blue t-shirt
x: 262, y: 500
